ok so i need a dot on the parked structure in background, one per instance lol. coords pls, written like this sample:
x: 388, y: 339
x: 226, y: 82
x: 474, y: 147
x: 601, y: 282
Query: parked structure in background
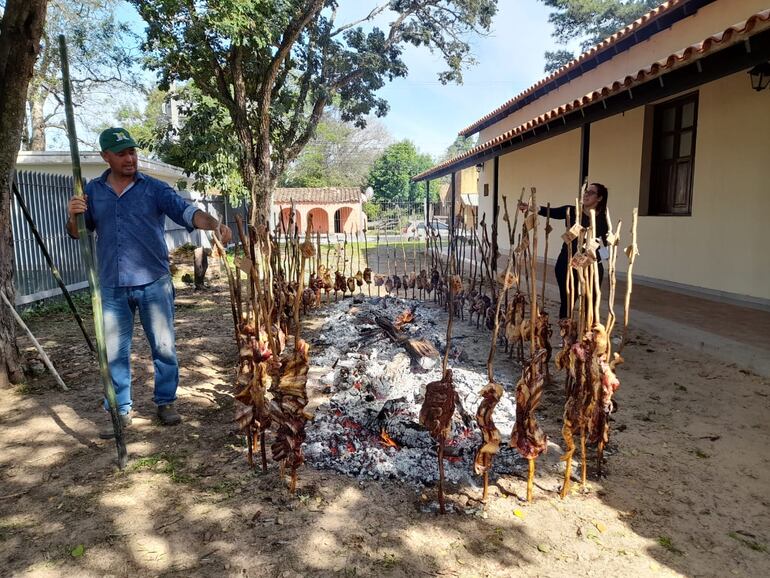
x: 334, y: 209
x: 666, y: 113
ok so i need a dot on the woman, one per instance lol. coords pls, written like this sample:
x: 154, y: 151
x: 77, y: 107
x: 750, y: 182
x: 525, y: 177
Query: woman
x: 594, y: 197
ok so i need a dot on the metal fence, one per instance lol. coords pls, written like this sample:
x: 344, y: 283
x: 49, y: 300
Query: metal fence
x: 46, y: 197
x: 404, y: 218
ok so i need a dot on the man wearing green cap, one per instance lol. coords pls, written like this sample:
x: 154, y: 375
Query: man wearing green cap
x: 127, y: 210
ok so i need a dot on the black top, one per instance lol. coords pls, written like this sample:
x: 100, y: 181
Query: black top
x: 560, y: 214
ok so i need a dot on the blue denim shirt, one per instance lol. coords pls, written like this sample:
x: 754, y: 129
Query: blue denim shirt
x: 130, y: 241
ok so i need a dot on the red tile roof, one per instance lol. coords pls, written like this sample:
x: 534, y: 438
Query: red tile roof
x: 605, y: 44
x: 317, y: 195
x: 732, y: 35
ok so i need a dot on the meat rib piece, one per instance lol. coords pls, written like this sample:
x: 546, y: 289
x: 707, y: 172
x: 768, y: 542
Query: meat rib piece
x: 439, y: 406
x: 490, y: 435
x: 590, y: 384
x: 288, y: 409
x: 252, y: 382
x: 527, y: 437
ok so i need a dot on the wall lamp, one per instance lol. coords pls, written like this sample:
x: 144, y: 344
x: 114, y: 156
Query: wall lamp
x: 479, y: 167
x: 760, y: 76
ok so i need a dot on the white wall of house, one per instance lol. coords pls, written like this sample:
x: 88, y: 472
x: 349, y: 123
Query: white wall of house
x: 721, y: 247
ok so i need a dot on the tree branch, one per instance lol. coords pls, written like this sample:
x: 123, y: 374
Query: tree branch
x: 375, y: 11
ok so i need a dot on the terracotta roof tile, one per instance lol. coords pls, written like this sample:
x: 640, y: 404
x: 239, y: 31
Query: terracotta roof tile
x: 605, y: 44
x: 728, y: 37
x: 317, y: 195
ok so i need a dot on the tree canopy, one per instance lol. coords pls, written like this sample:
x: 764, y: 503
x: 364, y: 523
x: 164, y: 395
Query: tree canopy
x: 338, y: 155
x: 590, y: 21
x: 391, y: 173
x: 99, y: 49
x: 274, y: 67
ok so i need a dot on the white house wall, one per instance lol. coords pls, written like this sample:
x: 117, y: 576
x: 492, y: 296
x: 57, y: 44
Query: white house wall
x: 722, y: 246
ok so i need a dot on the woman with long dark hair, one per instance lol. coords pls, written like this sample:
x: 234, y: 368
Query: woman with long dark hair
x: 594, y: 197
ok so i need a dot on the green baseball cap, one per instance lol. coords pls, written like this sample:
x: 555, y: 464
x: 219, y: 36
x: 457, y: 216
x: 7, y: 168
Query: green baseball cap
x: 115, y: 140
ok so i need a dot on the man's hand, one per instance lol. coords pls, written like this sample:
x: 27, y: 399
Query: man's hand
x: 77, y: 206
x: 224, y: 233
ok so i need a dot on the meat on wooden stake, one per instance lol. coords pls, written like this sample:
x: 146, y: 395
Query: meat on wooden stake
x: 288, y: 409
x: 439, y: 407
x: 490, y: 435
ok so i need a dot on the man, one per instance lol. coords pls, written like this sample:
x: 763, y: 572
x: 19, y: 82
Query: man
x: 128, y: 209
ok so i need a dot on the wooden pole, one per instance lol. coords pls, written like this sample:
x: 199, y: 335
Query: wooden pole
x: 88, y: 259
x: 35, y: 342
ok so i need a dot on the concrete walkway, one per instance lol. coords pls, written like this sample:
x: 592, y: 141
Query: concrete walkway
x: 724, y: 331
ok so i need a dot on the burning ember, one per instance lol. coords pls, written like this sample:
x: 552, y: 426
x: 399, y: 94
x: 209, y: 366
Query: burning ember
x: 369, y: 428
x: 387, y: 440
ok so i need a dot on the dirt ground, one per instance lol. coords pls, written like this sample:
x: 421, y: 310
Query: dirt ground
x: 688, y: 469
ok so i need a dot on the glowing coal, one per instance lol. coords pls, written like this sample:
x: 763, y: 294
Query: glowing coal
x: 369, y: 426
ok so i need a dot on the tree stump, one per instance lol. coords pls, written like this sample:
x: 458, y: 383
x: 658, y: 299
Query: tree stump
x: 200, y: 266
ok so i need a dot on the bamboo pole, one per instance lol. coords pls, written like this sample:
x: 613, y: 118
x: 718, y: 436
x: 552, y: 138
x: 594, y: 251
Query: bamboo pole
x: 35, y: 342
x: 54, y: 270
x: 88, y: 259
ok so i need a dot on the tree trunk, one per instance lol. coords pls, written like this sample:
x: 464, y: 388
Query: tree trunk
x: 37, y: 122
x: 20, y: 31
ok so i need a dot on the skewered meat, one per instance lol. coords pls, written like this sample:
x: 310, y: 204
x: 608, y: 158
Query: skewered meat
x: 288, y: 408
x: 339, y: 282
x: 389, y: 284
x: 590, y: 385
x: 439, y: 406
x: 351, y: 284
x: 490, y: 435
x: 396, y: 283
x: 379, y: 280
x: 527, y: 437
x: 568, y: 332
x: 368, y: 275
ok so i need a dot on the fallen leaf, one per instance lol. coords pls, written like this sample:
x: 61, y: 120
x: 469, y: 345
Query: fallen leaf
x: 544, y: 548
x: 601, y: 527
x: 519, y: 514
x: 78, y: 551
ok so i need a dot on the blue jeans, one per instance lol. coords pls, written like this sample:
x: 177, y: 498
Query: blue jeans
x: 155, y: 302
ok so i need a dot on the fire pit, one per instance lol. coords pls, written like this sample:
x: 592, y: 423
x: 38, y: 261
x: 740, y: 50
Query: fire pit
x: 369, y: 427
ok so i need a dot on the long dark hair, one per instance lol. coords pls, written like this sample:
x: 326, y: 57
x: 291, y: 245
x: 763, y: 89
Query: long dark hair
x: 601, y: 208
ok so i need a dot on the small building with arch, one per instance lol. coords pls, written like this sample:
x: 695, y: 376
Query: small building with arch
x: 334, y: 209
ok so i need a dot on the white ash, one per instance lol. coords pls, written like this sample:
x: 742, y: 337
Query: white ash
x: 377, y: 388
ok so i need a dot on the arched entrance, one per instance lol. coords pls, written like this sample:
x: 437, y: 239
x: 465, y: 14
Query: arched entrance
x: 285, y: 215
x: 342, y: 220
x: 320, y: 220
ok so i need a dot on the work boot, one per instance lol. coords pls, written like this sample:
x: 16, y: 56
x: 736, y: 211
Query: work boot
x: 109, y: 432
x: 168, y: 415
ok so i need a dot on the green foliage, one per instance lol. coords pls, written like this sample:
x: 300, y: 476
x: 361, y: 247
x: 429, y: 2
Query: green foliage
x: 459, y: 146
x: 591, y: 21
x: 272, y: 68
x: 391, y: 174
x: 58, y: 306
x: 204, y: 144
x: 99, y: 51
x: 339, y: 155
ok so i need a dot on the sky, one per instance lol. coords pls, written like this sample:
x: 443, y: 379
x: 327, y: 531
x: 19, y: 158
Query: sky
x: 509, y: 60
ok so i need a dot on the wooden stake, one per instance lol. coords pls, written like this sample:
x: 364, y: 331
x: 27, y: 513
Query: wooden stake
x: 35, y: 342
